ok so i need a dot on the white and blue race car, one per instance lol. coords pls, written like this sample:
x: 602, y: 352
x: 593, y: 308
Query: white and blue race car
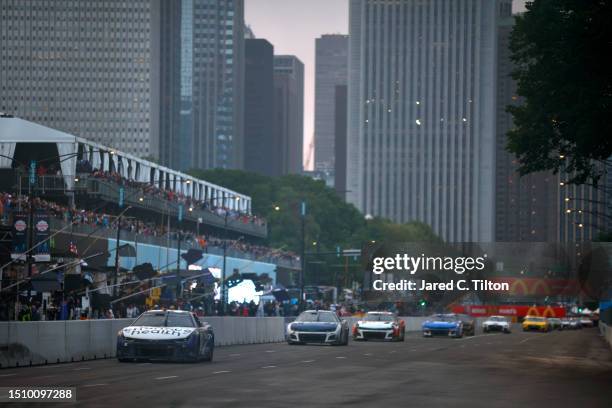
x: 318, y: 326
x: 174, y: 335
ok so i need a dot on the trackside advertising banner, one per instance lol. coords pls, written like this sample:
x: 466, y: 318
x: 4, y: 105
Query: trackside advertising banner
x: 517, y: 311
x: 20, y: 236
x: 42, y: 252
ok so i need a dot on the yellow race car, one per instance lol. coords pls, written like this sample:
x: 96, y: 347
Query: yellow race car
x: 536, y: 323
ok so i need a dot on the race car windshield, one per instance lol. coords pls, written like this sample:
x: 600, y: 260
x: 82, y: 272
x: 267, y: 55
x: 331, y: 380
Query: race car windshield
x: 535, y: 319
x: 163, y: 320
x: 378, y: 318
x: 497, y: 319
x: 316, y: 317
x: 444, y: 318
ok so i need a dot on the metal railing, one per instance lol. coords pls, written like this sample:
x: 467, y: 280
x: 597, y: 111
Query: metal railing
x: 109, y: 191
x: 170, y: 242
x: 132, y: 196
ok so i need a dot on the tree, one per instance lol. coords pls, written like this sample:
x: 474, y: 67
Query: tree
x: 562, y: 50
x: 330, y: 222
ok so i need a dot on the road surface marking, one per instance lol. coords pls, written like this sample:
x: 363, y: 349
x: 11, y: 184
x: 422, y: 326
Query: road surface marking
x: 95, y: 385
x: 268, y: 367
x: 478, y: 335
x: 270, y: 351
x: 221, y: 372
x: 367, y: 354
x: 307, y: 361
x: 56, y: 365
x: 141, y: 364
x: 167, y: 377
x: 393, y: 351
x: 340, y: 357
x: 234, y: 355
x: 82, y: 368
x: 7, y: 375
x: 413, y: 350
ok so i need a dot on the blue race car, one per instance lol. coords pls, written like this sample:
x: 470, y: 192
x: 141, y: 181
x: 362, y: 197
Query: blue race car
x: 166, y: 335
x: 318, y: 326
x: 443, y: 325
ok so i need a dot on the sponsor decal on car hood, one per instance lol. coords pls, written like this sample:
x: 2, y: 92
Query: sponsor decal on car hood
x: 157, y: 333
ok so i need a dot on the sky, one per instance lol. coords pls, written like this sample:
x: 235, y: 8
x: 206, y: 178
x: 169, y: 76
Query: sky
x: 292, y: 27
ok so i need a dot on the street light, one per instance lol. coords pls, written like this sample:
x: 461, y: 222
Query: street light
x: 223, y: 271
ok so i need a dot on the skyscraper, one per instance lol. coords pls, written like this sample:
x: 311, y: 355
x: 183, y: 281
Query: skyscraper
x: 422, y: 105
x: 527, y: 207
x: 289, y: 111
x: 331, y: 60
x: 85, y: 67
x: 262, y: 149
x: 340, y: 139
x: 202, y: 45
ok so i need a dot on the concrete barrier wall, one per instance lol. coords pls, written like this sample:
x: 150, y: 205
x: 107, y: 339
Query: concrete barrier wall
x: 606, y: 331
x: 34, y: 343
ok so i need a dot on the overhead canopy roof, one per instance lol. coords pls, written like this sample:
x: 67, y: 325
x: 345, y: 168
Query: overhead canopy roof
x: 22, y: 131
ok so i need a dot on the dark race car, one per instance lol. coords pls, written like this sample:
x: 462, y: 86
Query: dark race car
x: 469, y: 324
x: 173, y: 335
x: 318, y: 326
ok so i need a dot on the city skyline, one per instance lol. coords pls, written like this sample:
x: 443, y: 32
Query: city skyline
x: 289, y: 27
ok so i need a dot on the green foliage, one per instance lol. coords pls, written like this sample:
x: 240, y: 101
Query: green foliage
x: 330, y: 222
x: 562, y: 51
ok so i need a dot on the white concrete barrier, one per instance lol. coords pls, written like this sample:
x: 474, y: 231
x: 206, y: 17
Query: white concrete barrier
x: 34, y: 343
x: 606, y: 331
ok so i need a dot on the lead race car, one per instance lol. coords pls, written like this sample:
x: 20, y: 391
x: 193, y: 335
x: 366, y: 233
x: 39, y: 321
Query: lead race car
x: 166, y: 335
x: 318, y: 326
x: 381, y: 326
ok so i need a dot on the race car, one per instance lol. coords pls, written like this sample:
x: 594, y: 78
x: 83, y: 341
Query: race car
x: 555, y: 323
x: 536, y: 323
x: 173, y: 335
x: 469, y: 324
x: 586, y: 322
x: 318, y: 326
x: 443, y: 325
x: 570, y: 323
x: 380, y: 326
x: 496, y: 323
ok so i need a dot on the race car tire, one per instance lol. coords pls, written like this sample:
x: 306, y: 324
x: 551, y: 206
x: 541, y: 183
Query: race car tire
x: 208, y: 353
x: 485, y: 330
x: 124, y: 360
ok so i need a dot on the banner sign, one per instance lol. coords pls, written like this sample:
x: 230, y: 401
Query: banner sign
x: 20, y: 236
x: 42, y: 252
x: 510, y: 310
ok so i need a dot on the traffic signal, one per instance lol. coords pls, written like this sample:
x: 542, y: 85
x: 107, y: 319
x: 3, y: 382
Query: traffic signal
x: 422, y: 303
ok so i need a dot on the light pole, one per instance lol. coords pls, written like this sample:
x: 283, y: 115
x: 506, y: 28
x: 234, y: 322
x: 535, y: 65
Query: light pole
x: 302, y: 251
x: 223, y: 294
